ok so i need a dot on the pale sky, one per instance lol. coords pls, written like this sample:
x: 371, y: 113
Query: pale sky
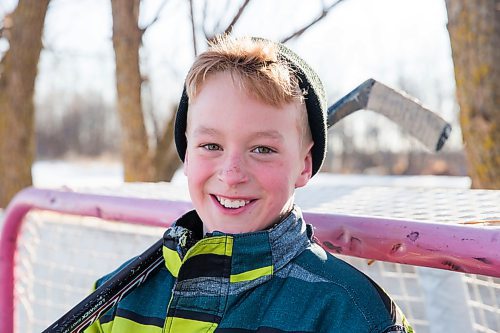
x: 399, y: 42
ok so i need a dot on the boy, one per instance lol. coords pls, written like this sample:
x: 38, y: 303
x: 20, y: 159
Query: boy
x: 251, y: 127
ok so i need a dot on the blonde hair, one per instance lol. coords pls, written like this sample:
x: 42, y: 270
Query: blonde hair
x: 255, y: 65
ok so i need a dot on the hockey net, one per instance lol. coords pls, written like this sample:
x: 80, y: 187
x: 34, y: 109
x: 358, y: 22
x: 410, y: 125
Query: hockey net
x: 60, y: 255
x: 59, y: 258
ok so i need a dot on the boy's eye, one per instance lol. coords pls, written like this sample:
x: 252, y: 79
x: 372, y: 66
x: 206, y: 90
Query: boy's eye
x: 263, y: 150
x: 211, y: 146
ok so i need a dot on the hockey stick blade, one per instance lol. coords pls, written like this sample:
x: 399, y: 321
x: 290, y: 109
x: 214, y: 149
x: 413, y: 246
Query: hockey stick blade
x: 407, y: 112
x: 109, y: 293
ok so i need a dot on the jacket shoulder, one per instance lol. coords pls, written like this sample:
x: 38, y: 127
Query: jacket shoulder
x: 340, y: 280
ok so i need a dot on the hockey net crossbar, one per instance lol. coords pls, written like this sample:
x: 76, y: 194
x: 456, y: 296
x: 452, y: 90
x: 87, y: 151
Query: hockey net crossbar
x: 59, y: 219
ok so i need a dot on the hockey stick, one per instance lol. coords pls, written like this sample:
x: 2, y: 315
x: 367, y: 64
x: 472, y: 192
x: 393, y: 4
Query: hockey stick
x: 422, y: 123
x: 109, y: 293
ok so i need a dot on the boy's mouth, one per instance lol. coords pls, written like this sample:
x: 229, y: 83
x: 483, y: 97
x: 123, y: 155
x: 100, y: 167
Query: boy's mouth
x: 232, y: 203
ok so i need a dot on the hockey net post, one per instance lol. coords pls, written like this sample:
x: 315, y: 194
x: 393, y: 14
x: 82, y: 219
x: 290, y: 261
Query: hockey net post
x: 148, y: 212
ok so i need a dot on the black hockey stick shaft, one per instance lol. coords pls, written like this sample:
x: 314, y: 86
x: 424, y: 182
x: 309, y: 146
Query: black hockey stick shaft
x: 109, y: 293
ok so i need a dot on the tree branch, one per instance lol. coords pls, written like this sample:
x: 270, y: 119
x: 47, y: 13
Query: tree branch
x: 219, y: 21
x: 193, y: 29
x: 322, y: 15
x: 229, y: 28
x: 204, y: 22
x: 6, y: 26
x: 149, y: 109
x: 156, y: 18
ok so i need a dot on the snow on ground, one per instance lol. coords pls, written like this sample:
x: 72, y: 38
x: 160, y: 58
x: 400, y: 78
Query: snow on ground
x: 59, y: 173
x: 97, y: 173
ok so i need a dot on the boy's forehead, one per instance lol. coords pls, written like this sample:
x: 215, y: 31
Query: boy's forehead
x: 200, y: 122
x: 218, y: 79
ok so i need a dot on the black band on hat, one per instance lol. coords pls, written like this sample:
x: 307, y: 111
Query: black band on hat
x: 315, y: 99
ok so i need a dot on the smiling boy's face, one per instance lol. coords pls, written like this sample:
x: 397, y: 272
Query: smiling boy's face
x: 244, y: 158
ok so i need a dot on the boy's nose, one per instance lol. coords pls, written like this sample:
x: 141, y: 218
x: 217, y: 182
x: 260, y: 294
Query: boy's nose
x: 232, y: 171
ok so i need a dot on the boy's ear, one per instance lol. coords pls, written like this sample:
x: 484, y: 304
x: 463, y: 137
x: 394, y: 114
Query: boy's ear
x: 186, y: 157
x: 185, y: 164
x: 306, y: 172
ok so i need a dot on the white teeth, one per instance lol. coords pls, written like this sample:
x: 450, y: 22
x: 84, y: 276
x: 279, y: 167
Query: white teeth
x: 232, y: 203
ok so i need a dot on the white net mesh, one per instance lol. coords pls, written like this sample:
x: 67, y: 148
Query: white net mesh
x: 60, y: 257
x: 484, y: 300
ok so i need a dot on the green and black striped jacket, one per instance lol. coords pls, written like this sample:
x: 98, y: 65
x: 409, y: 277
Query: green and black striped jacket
x: 276, y: 280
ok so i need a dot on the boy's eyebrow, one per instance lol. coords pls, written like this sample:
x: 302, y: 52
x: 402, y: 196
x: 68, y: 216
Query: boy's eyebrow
x: 272, y: 134
x: 202, y: 130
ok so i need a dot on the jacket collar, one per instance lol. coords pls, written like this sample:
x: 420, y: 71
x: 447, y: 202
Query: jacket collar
x: 239, y: 257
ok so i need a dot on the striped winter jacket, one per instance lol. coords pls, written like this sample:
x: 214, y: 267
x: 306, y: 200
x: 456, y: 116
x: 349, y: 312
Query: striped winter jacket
x: 277, y: 280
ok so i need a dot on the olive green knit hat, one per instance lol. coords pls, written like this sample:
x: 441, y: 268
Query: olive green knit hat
x: 315, y: 100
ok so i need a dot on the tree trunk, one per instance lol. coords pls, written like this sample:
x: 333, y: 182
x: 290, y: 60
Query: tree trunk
x: 137, y: 161
x: 18, y: 71
x: 474, y: 28
x: 166, y: 160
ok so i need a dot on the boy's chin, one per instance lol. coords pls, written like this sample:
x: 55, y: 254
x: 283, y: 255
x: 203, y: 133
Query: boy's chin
x: 229, y: 229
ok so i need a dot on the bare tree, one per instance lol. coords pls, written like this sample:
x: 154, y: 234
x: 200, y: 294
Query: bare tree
x: 126, y: 42
x: 18, y: 69
x: 474, y: 28
x: 142, y: 161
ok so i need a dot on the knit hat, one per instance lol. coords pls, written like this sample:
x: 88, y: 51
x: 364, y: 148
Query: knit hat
x: 315, y: 100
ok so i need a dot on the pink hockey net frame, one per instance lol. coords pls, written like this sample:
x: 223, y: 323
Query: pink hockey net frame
x: 466, y: 248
